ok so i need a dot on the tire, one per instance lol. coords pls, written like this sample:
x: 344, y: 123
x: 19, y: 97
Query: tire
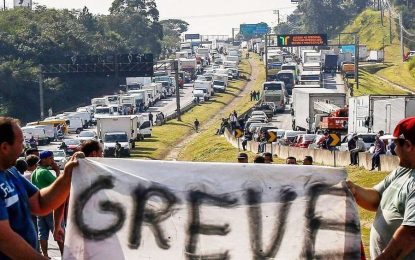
x: 78, y: 131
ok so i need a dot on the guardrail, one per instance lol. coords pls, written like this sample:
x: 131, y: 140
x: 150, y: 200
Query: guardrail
x: 323, y: 157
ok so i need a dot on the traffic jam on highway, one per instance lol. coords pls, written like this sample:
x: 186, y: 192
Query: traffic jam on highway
x: 305, y: 101
x: 120, y: 120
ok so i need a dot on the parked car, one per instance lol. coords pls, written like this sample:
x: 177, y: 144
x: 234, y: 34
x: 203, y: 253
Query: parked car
x: 368, y: 138
x: 304, y: 140
x: 60, y: 158
x: 289, y: 137
x: 73, y: 145
x: 87, y: 135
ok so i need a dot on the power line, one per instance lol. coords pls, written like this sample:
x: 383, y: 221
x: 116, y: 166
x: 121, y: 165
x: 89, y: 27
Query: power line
x: 233, y: 14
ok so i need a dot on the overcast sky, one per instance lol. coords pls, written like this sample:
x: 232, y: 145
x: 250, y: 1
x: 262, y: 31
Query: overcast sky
x: 205, y: 17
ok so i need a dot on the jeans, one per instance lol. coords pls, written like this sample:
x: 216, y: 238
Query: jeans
x: 376, y: 160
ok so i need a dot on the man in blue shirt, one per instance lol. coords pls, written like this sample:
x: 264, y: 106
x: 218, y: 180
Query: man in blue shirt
x: 19, y: 198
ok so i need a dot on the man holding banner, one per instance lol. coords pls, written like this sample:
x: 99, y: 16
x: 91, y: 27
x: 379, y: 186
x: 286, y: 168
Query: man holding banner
x: 392, y: 234
x: 19, y: 198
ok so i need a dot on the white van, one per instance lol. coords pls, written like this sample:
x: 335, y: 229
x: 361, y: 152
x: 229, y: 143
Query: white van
x: 49, y: 131
x: 37, y: 133
x: 75, y: 124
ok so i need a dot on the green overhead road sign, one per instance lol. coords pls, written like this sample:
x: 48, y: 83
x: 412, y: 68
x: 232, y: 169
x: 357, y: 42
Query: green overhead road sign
x: 250, y: 30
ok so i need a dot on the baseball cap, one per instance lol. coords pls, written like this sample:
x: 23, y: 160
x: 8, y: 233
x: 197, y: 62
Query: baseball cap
x: 242, y: 156
x: 405, y: 130
x: 45, y: 154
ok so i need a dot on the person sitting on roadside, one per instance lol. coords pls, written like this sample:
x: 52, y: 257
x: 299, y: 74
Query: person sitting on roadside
x: 242, y: 158
x: 378, y: 150
x: 308, y: 160
x: 354, y: 153
x: 268, y: 157
x: 291, y: 160
x: 259, y: 159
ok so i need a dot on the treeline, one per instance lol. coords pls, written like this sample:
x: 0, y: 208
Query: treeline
x: 32, y: 37
x: 316, y: 16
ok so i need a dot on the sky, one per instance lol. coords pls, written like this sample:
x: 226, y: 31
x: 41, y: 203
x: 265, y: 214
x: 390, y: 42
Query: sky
x: 208, y: 17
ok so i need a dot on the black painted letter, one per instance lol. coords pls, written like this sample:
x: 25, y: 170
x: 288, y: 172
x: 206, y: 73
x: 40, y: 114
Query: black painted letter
x: 142, y: 215
x: 103, y: 182
x: 286, y: 197
x: 196, y: 198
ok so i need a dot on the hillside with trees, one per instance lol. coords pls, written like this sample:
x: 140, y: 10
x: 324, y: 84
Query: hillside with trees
x: 29, y: 38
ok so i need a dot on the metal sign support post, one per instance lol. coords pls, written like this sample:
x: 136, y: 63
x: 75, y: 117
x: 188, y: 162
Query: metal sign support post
x: 176, y: 77
x: 356, y: 60
x: 266, y: 57
x: 41, y: 100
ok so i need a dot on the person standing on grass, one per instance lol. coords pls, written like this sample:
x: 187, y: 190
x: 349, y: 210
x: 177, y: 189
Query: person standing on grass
x: 392, y: 234
x: 197, y: 124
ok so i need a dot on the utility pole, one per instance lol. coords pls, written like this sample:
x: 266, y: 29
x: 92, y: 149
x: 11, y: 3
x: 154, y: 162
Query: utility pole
x: 356, y: 60
x: 233, y: 36
x: 266, y: 57
x: 41, y: 101
x: 401, y: 27
x: 390, y: 26
x: 176, y: 77
x: 381, y: 13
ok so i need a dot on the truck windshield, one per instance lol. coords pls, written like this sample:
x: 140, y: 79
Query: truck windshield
x: 288, y: 78
x: 218, y: 83
x: 102, y: 111
x: 293, y: 68
x: 162, y: 78
x: 112, y: 99
x: 310, y: 77
x: 111, y: 138
x: 272, y: 86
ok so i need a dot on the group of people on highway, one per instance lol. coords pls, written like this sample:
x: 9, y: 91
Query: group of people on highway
x: 35, y: 191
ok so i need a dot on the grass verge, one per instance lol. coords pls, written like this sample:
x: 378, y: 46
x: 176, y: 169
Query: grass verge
x: 166, y: 136
x: 371, y: 85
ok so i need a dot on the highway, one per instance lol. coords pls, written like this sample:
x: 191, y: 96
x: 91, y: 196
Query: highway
x: 284, y: 120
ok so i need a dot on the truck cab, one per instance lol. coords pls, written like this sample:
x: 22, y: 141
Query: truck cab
x: 109, y: 139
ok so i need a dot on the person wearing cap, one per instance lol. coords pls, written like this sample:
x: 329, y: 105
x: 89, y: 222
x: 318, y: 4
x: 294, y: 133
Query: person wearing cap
x: 34, y: 151
x: 392, y: 234
x: 268, y: 157
x: 242, y: 158
x: 42, y: 178
x: 19, y: 198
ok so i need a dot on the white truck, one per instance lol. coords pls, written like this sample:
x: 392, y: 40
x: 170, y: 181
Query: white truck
x: 304, y: 105
x: 387, y: 113
x: 312, y: 57
x: 233, y: 58
x: 304, y: 53
x: 361, y: 112
x: 121, y: 129
x: 376, y: 56
x: 99, y: 102
x: 206, y: 87
x: 220, y: 82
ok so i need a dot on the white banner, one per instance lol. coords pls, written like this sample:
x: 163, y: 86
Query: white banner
x: 131, y: 209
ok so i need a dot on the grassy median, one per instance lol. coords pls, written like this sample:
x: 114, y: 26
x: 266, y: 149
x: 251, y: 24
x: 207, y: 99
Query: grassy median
x: 166, y: 136
x: 209, y: 147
